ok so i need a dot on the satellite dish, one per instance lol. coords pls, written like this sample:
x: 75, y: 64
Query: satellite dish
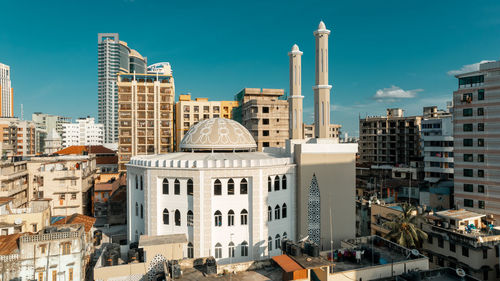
x: 304, y: 239
x: 415, y: 252
x: 460, y: 272
x: 18, y: 221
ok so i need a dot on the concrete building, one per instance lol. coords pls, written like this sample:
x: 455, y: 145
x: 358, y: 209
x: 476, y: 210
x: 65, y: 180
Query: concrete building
x: 333, y: 132
x: 103, y: 207
x: 53, y: 142
x: 17, y: 137
x: 106, y: 159
x: 14, y: 182
x: 84, y: 132
x: 26, y: 138
x: 475, y: 132
x: 6, y: 92
x: 114, y: 56
x: 33, y: 218
x: 189, y: 112
x: 47, y: 122
x: 145, y: 114
x: 67, y: 180
x: 389, y: 140
x: 265, y: 114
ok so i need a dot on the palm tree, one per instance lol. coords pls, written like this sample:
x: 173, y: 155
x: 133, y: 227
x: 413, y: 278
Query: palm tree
x: 403, y: 228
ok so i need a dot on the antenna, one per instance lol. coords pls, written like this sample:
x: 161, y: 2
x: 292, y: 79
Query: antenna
x: 22, y: 112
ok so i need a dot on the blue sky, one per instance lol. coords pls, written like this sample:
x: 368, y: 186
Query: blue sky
x: 382, y: 53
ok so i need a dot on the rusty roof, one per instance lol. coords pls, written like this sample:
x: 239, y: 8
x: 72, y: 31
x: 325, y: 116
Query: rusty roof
x: 108, y: 159
x: 8, y: 244
x: 87, y: 221
x: 80, y: 149
x: 4, y: 200
x: 287, y: 264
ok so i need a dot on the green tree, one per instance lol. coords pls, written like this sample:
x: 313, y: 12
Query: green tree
x: 403, y: 228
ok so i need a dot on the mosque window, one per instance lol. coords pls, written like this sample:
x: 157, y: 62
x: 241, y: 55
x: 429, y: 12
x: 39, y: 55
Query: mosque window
x: 230, y: 187
x: 244, y: 249
x: 244, y: 217
x: 142, y: 211
x: 230, y: 218
x: 142, y: 183
x: 136, y: 209
x: 269, y: 243
x: 165, y: 186
x: 217, y: 187
x: 190, y: 251
x: 190, y: 187
x: 277, y: 212
x: 243, y: 186
x: 165, y: 216
x: 190, y: 218
x: 276, y: 183
x: 177, y: 187
x: 283, y: 211
x: 269, y: 213
x: 231, y: 249
x: 218, y: 218
x: 177, y: 216
x: 136, y: 182
x: 283, y: 182
x: 277, y: 241
x: 218, y: 251
x: 269, y: 184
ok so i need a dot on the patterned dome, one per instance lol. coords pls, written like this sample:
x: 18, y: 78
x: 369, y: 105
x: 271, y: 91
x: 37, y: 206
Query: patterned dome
x: 218, y: 134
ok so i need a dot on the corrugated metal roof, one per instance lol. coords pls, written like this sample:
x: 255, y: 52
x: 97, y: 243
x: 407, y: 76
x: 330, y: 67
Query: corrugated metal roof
x: 287, y: 264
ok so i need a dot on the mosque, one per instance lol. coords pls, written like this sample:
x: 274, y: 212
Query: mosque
x: 237, y: 204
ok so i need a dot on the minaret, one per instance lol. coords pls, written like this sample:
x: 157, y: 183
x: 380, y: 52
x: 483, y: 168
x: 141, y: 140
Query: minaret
x: 295, y: 98
x: 321, y: 89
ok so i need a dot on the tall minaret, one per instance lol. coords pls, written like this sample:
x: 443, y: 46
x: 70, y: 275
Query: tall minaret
x: 321, y: 89
x: 295, y: 98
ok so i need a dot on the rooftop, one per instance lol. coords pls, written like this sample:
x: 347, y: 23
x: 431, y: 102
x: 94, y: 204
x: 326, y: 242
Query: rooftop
x: 85, y: 149
x: 439, y: 274
x: 460, y: 214
x: 86, y: 221
x: 8, y: 244
x: 145, y: 240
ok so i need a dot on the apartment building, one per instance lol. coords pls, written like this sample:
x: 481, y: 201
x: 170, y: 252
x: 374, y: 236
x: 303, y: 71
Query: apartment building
x: 189, y: 112
x: 389, y: 140
x: 476, y: 113
x: 264, y: 112
x: 26, y: 138
x: 84, y: 132
x: 333, y: 132
x: 146, y: 103
x: 47, y: 122
x: 34, y: 217
x: 18, y: 137
x: 14, y: 182
x: 6, y: 92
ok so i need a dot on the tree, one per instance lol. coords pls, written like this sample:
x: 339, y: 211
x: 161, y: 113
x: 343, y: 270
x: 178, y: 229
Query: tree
x: 403, y: 228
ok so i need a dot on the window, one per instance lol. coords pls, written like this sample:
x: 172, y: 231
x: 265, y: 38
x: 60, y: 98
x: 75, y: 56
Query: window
x: 467, y: 97
x: 480, y: 111
x: 265, y: 121
x: 468, y: 173
x: 467, y: 127
x: 136, y: 182
x: 469, y: 203
x: 165, y: 186
x: 190, y: 187
x: 70, y: 274
x: 244, y: 217
x: 480, y: 188
x: 480, y: 173
x: 468, y: 187
x: 231, y: 250
x: 269, y: 213
x: 190, y: 218
x: 230, y: 187
x: 62, y: 197
x: 244, y: 249
x: 467, y: 112
x: 66, y: 248
x: 440, y: 242
x: 283, y: 182
x: 40, y: 276
x: 480, y: 204
x: 480, y: 158
x: 452, y: 247
x: 230, y: 218
x: 269, y: 184
x: 265, y: 109
x: 465, y: 251
x: 277, y: 212
x: 276, y: 183
x: 468, y: 158
x: 480, y: 142
x: 480, y: 94
x: 277, y: 241
x: 190, y: 251
x: 217, y: 187
x: 283, y: 211
x: 243, y: 187
x: 485, y: 274
x: 485, y: 253
x: 218, y: 251
x: 142, y: 211
x: 177, y: 217
x: 165, y: 216
x: 269, y: 243
x: 265, y: 144
x: 54, y: 275
x: 285, y: 236
x: 218, y: 218
x: 142, y: 183
x: 265, y: 133
x: 177, y: 187
x: 480, y: 127
x: 73, y: 196
x: 136, y: 209
x: 467, y: 142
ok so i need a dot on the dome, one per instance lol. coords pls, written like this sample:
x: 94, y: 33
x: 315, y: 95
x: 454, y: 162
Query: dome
x: 218, y: 134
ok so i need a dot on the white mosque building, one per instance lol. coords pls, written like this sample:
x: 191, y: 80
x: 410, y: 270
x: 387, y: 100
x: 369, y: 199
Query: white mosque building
x: 236, y: 204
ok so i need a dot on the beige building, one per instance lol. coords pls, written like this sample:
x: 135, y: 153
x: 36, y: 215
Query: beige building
x: 145, y: 115
x: 17, y: 137
x: 389, y: 140
x: 14, y: 182
x: 333, y: 132
x: 66, y: 180
x: 19, y: 220
x: 189, y: 112
x: 264, y: 112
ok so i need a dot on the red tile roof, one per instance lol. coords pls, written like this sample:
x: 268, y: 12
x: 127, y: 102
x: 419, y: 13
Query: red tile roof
x: 80, y: 149
x: 87, y: 221
x: 8, y: 244
x: 103, y: 160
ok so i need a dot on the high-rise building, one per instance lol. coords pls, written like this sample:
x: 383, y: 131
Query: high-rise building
x: 6, y: 92
x: 189, y: 112
x: 146, y: 124
x: 476, y: 144
x: 322, y: 88
x: 114, y: 56
x: 17, y: 137
x: 389, y: 140
x: 83, y: 132
x: 265, y: 114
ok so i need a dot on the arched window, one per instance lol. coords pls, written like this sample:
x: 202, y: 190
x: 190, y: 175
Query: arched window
x: 166, y: 216
x: 230, y: 187
x: 283, y: 211
x: 217, y: 187
x: 190, y: 218
x: 269, y: 213
x: 177, y: 187
x: 136, y: 236
x: 218, y: 251
x: 142, y: 183
x: 244, y: 249
x: 269, y: 184
x: 177, y: 216
x: 277, y: 212
x: 190, y: 250
x: 230, y: 218
x: 190, y: 187
x: 165, y: 186
x: 136, y: 209
x: 277, y: 243
x: 243, y: 186
x: 276, y: 183
x: 136, y: 182
x: 269, y: 243
x: 142, y: 211
x: 231, y: 250
x: 218, y: 218
x: 285, y: 236
x: 244, y: 217
x: 283, y: 182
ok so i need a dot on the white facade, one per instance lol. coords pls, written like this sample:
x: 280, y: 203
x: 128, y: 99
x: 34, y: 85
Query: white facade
x: 6, y: 92
x: 84, y: 132
x: 437, y: 136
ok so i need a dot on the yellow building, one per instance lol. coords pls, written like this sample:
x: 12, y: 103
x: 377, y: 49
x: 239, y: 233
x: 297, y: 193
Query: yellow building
x: 189, y: 112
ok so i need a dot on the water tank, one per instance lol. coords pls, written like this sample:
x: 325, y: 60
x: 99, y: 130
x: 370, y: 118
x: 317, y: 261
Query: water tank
x: 133, y: 255
x: 210, y: 266
x: 134, y: 245
x: 314, y: 250
x: 113, y: 257
x: 295, y: 250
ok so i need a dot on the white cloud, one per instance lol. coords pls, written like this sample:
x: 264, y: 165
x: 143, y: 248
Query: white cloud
x: 467, y: 68
x: 395, y: 93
